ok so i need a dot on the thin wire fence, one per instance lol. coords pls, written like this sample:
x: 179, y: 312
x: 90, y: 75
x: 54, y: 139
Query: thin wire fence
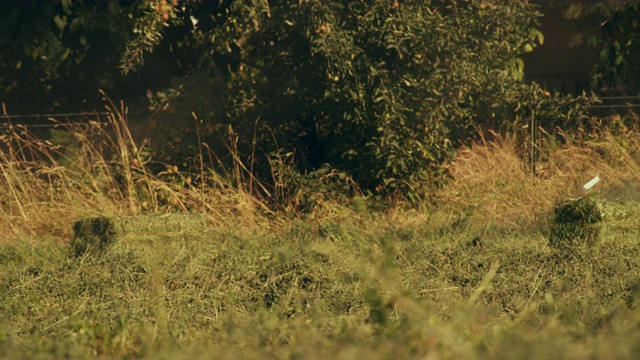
x: 613, y: 103
x: 617, y: 102
x: 53, y: 115
x: 36, y: 120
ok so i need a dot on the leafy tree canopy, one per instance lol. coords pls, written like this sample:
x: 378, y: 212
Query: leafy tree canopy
x: 57, y: 54
x: 382, y: 90
x: 616, y: 35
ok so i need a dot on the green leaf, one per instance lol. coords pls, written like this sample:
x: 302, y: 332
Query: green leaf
x: 619, y: 60
x: 66, y: 54
x: 536, y: 34
x: 574, y: 11
x: 540, y: 37
x: 60, y: 21
x: 67, y: 6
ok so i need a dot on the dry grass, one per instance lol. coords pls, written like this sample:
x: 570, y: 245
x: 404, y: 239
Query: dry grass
x: 97, y: 168
x: 491, y: 178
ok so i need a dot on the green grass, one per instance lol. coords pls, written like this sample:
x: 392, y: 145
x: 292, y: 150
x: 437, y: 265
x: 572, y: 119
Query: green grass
x: 344, y: 289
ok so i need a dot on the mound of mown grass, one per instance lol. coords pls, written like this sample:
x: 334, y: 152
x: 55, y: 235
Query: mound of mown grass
x: 95, y: 235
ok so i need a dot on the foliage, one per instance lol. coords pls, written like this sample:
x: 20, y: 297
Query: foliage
x: 384, y: 91
x: 302, y: 194
x: 46, y: 46
x: 617, y: 38
x: 55, y: 55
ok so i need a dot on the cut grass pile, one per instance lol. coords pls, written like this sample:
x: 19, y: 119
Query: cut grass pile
x: 471, y: 276
x: 95, y: 235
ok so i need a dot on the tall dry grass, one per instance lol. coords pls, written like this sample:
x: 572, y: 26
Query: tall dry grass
x: 98, y: 168
x: 491, y: 178
x: 101, y: 169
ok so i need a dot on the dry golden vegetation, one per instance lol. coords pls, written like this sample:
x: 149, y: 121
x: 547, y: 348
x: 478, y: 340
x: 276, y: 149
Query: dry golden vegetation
x: 492, y: 178
x: 98, y: 168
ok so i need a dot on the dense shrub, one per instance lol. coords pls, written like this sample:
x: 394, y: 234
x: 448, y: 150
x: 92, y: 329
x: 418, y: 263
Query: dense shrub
x: 380, y: 91
x: 614, y: 32
x: 384, y: 91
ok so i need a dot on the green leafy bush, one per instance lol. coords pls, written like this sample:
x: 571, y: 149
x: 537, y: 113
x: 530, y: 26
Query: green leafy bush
x: 384, y: 91
x: 381, y: 91
x: 612, y: 28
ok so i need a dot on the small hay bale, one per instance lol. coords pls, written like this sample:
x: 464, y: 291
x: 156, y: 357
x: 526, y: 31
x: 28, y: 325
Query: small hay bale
x: 92, y: 235
x: 95, y: 235
x: 577, y: 221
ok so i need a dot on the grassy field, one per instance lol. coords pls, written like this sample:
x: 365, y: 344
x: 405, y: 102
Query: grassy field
x: 470, y: 276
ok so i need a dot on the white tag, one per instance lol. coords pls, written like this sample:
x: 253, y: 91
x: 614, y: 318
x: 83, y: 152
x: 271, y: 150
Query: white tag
x: 591, y: 182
